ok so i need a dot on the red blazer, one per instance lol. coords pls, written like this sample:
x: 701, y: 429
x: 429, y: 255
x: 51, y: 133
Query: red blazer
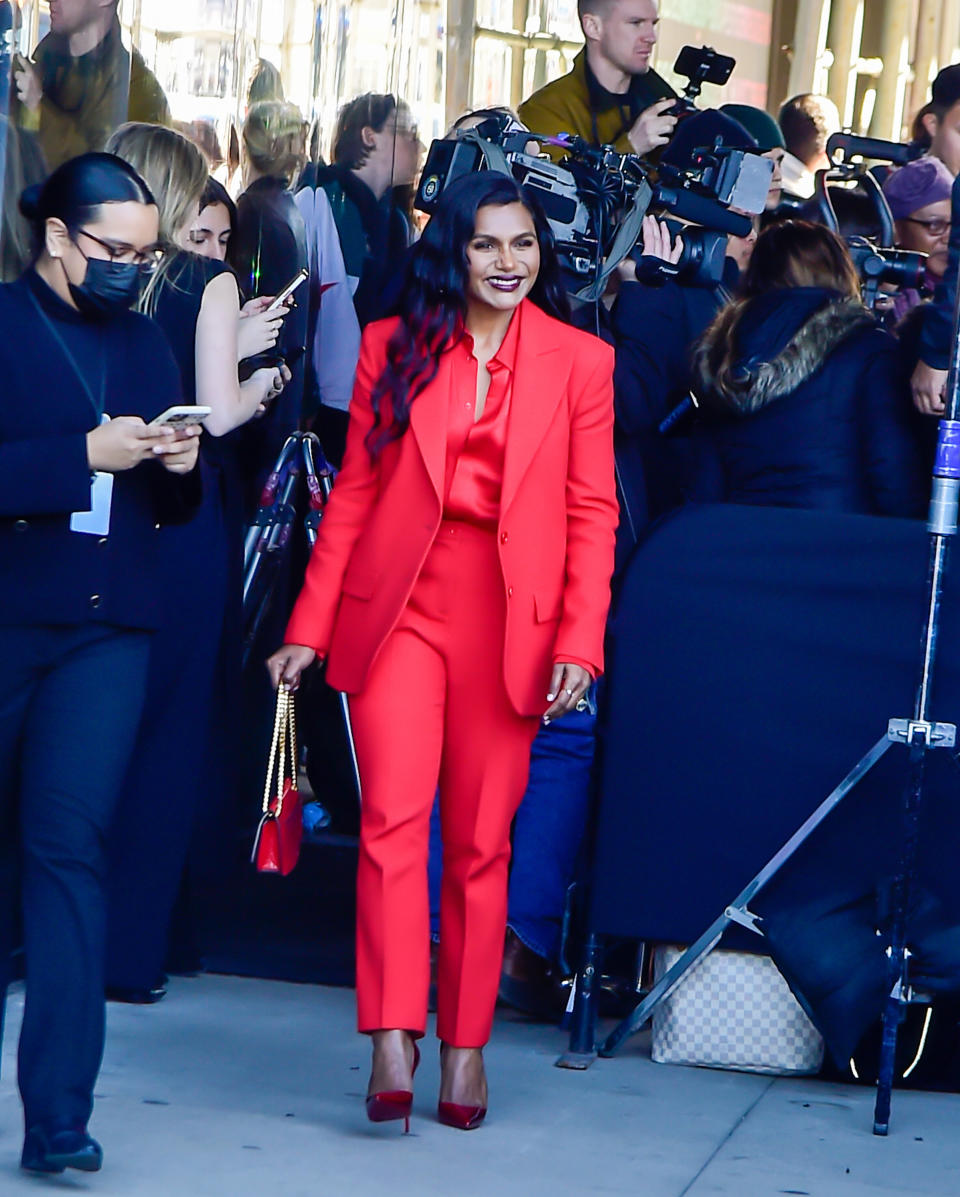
x: 558, y: 515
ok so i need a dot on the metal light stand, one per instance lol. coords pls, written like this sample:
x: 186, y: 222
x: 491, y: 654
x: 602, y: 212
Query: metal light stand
x: 269, y: 535
x: 919, y: 734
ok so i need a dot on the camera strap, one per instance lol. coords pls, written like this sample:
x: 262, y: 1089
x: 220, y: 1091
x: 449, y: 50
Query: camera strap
x: 493, y: 155
x: 628, y: 234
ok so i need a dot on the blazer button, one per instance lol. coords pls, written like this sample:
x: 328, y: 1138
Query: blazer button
x: 21, y: 526
x: 504, y: 538
x: 95, y: 600
x: 509, y: 592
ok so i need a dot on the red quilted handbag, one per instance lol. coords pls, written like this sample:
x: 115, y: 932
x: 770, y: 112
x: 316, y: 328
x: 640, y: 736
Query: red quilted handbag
x: 277, y: 844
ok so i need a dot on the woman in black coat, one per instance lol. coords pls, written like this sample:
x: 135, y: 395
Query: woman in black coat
x: 87, y: 487
x: 802, y: 394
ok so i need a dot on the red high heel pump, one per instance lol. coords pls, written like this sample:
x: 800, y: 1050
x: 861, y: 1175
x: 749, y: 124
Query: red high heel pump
x: 451, y: 1113
x: 390, y: 1105
x: 460, y: 1117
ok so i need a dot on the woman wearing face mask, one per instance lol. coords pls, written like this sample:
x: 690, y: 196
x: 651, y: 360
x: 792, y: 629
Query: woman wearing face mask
x: 86, y: 488
x: 196, y: 302
x: 467, y: 552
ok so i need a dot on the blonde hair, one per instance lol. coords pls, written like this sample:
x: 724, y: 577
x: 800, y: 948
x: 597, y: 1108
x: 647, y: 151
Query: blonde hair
x: 176, y: 173
x: 274, y: 137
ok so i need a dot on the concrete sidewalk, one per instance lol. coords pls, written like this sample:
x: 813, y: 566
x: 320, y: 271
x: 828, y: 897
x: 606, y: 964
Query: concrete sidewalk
x: 240, y: 1087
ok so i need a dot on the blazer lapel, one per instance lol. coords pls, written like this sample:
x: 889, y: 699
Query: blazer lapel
x: 538, y: 385
x: 429, y: 418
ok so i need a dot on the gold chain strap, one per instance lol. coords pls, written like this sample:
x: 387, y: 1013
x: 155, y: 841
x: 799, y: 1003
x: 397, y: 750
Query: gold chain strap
x: 284, y: 734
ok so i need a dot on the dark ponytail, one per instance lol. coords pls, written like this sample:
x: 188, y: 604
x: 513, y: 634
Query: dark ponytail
x: 76, y: 191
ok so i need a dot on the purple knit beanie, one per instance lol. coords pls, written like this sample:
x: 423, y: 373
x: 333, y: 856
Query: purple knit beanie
x: 925, y: 181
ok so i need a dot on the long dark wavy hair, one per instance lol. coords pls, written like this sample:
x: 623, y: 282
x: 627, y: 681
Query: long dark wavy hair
x: 433, y: 302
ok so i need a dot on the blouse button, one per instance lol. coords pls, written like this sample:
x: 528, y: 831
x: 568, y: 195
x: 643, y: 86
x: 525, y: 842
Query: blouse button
x: 21, y: 526
x: 95, y: 600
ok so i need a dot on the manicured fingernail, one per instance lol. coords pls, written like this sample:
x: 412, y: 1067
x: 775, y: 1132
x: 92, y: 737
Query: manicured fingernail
x: 551, y: 697
x: 546, y: 719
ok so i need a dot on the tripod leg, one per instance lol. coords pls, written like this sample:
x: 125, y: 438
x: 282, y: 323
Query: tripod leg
x: 583, y: 1031
x: 348, y: 728
x: 666, y: 985
x: 898, y: 953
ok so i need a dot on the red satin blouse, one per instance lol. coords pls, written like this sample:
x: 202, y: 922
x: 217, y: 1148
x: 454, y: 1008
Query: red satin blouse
x: 475, y: 448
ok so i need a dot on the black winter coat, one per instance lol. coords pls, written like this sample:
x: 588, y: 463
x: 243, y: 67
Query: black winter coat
x: 808, y: 409
x: 655, y: 329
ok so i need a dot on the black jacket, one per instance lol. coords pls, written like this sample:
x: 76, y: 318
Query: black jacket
x: 807, y: 409
x: 48, y: 573
x: 654, y: 330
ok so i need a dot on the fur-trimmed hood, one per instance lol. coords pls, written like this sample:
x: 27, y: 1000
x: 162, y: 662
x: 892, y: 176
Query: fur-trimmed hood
x: 763, y: 349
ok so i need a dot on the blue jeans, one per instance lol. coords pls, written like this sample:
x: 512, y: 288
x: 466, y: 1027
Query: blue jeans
x: 547, y: 832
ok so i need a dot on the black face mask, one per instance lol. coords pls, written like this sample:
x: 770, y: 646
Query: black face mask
x: 108, y: 288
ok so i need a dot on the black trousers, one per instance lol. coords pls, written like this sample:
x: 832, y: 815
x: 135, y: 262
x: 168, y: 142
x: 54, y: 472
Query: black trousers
x: 70, y: 703
x: 151, y: 835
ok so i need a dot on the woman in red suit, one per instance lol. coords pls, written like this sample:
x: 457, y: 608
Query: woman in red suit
x: 458, y: 592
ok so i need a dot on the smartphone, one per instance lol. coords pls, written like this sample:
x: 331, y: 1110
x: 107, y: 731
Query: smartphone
x: 181, y: 417
x: 300, y: 277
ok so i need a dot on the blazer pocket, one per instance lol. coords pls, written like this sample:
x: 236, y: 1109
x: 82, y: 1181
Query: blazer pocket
x: 547, y: 606
x: 359, y: 583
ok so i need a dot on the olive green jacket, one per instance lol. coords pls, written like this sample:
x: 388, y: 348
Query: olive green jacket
x: 86, y: 98
x: 564, y: 106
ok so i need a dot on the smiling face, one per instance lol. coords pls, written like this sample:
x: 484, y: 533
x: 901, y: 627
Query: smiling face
x: 927, y: 231
x: 624, y: 34
x: 503, y: 257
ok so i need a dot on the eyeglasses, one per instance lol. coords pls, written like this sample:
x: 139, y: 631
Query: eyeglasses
x: 936, y: 228
x: 147, y: 259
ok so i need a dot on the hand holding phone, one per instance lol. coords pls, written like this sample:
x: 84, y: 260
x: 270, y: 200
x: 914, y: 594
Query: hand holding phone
x: 284, y: 294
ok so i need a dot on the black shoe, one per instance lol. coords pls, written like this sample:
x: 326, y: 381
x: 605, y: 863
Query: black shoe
x: 136, y: 997
x: 530, y: 983
x: 55, y: 1151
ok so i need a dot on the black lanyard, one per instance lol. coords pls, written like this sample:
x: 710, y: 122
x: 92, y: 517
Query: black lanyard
x: 97, y: 407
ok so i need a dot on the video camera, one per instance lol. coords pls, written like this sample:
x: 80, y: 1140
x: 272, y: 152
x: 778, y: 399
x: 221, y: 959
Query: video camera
x: 595, y: 198
x: 876, y: 259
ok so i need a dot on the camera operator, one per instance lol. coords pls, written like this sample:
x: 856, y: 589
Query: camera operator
x: 930, y: 377
x: 919, y: 198
x: 611, y: 96
x: 655, y: 323
x: 801, y: 390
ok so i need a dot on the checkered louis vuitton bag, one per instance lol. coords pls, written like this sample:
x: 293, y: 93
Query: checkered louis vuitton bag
x: 734, y: 1011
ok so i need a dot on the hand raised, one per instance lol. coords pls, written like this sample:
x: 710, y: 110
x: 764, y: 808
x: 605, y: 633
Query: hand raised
x: 653, y: 128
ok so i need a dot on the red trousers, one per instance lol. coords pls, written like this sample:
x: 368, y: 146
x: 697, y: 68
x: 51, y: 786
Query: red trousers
x: 434, y: 711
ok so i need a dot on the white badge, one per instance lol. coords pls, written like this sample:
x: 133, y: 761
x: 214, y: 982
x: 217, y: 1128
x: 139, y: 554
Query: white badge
x: 96, y: 521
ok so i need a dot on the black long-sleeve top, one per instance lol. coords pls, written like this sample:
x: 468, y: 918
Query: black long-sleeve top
x: 50, y: 574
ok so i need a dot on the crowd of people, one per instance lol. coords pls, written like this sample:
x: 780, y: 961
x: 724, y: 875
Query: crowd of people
x: 499, y: 451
